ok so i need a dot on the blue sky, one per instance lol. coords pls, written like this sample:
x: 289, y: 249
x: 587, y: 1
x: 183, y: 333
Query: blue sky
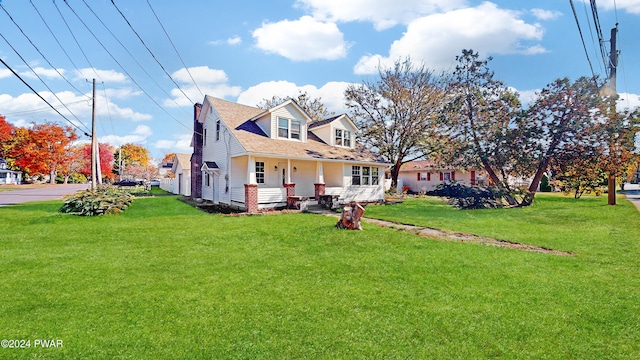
x: 246, y: 51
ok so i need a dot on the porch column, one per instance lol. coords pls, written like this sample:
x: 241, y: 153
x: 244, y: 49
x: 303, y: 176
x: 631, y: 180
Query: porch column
x: 251, y: 197
x: 319, y: 173
x: 251, y: 170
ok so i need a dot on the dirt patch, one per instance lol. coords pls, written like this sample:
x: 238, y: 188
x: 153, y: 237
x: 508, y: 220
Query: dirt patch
x: 445, y: 235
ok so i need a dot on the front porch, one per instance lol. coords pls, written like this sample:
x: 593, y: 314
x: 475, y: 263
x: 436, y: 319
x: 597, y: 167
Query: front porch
x: 270, y: 181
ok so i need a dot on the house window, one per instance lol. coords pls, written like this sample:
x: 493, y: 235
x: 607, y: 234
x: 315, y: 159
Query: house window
x: 343, y: 138
x: 260, y: 172
x: 207, y: 180
x: 355, y: 175
x: 217, y: 130
x: 289, y: 129
x: 446, y: 176
x: 295, y: 129
x: 204, y: 137
x: 366, y: 175
x: 283, y: 128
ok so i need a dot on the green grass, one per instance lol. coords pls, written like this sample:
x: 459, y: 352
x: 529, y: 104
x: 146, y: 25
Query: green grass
x: 163, y: 280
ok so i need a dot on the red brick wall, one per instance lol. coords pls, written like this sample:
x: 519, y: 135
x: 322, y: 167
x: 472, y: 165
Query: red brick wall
x: 320, y: 188
x: 251, y: 197
x: 291, y: 189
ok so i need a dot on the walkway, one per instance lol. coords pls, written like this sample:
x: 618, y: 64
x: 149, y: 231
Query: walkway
x: 445, y: 235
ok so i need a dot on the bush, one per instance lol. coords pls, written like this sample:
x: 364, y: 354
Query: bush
x: 103, y: 200
x: 467, y: 197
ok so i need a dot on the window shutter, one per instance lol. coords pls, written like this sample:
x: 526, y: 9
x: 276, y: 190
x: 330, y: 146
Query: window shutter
x: 428, y: 176
x: 441, y: 177
x: 453, y: 175
x: 418, y: 176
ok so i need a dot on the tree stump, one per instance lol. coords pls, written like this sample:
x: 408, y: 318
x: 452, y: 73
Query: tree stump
x: 350, y: 217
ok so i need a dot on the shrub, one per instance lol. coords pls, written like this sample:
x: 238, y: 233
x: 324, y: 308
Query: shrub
x: 102, y: 200
x: 467, y: 197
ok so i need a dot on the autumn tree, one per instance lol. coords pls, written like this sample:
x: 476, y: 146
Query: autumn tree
x: 481, y: 121
x: 314, y: 107
x: 42, y: 149
x: 397, y: 113
x: 132, y: 154
x: 6, y: 131
x: 106, y: 160
x: 564, y: 127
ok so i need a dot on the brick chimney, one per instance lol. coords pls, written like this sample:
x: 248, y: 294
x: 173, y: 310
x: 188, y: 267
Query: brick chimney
x: 196, y: 157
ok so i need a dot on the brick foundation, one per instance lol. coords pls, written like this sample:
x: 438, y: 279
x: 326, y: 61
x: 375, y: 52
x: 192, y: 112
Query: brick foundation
x: 319, y: 190
x: 291, y: 189
x: 251, y: 197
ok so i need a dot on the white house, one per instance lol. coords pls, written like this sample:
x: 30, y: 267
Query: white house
x: 182, y: 172
x: 425, y: 175
x: 8, y: 177
x: 252, y: 158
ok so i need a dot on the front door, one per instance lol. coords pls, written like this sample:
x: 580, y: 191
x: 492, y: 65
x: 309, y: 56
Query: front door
x: 282, y: 168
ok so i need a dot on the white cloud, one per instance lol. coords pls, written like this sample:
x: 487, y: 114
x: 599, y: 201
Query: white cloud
x: 543, y: 14
x: 210, y: 82
x: 628, y: 101
x: 139, y: 135
x: 5, y: 73
x: 437, y: 39
x: 302, y: 40
x: 107, y: 76
x: 331, y: 93
x: 236, y: 40
x: 29, y: 107
x: 43, y: 73
x: 630, y: 6
x: 122, y: 93
x: 382, y: 13
x: 179, y: 143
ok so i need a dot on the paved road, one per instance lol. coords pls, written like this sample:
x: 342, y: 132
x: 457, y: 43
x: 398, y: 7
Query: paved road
x: 51, y: 192
x: 632, y: 192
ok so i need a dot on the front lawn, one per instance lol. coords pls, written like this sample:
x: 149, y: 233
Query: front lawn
x: 163, y: 280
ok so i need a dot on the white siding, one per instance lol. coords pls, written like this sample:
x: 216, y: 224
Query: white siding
x: 324, y: 133
x: 266, y: 125
x: 410, y: 179
x: 288, y: 112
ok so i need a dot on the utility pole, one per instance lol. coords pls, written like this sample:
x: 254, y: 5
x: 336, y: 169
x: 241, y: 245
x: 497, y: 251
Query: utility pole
x: 612, y: 91
x: 94, y: 140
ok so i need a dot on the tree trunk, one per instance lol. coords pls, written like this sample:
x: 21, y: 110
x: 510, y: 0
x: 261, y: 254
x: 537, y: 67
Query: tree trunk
x: 52, y: 177
x: 611, y: 188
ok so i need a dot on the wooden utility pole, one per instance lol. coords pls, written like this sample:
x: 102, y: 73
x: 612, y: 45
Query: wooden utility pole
x: 612, y: 91
x: 94, y: 140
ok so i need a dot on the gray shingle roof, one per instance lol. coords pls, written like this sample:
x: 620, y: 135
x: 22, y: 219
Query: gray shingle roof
x: 254, y: 140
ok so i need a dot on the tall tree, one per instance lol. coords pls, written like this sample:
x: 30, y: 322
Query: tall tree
x: 314, y: 107
x: 481, y: 120
x: 6, y: 131
x: 106, y: 160
x: 563, y: 126
x: 397, y: 113
x: 132, y: 154
x: 41, y: 149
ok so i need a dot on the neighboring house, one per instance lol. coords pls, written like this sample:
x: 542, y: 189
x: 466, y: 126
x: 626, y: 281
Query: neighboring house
x: 424, y: 175
x: 251, y: 158
x: 164, y: 169
x: 182, y: 174
x: 8, y: 177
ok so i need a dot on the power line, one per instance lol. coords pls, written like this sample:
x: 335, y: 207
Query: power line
x: 76, y: 40
x: 584, y: 45
x: 122, y: 67
x: 39, y: 78
x: 40, y: 52
x: 43, y: 99
x: 54, y: 36
x: 28, y: 112
x: 176, y: 50
x: 593, y: 40
x: 151, y: 52
x: 596, y: 21
x: 130, y: 54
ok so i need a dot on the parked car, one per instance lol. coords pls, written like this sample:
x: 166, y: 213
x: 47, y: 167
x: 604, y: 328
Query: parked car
x: 155, y: 183
x: 128, y: 183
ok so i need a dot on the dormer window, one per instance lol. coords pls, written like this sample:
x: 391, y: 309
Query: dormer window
x: 343, y: 138
x: 289, y: 129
